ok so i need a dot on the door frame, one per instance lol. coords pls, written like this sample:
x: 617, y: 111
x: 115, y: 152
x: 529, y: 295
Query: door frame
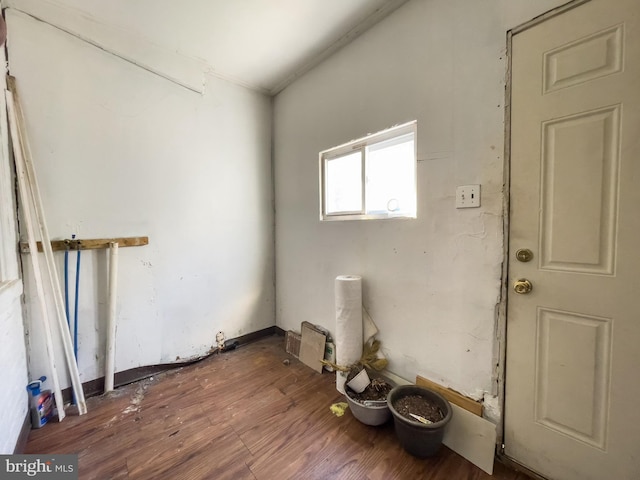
x: 502, y: 319
x: 10, y: 273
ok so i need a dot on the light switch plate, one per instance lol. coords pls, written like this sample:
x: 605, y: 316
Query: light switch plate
x: 468, y: 196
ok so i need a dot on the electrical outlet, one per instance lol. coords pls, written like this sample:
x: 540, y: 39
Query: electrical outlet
x: 468, y: 196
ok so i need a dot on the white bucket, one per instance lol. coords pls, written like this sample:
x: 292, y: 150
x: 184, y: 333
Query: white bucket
x: 359, y: 382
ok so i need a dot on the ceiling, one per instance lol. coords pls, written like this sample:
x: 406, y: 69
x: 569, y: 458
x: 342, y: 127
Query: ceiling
x: 261, y: 44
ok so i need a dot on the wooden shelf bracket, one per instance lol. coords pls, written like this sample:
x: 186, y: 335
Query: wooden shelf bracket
x: 88, y: 244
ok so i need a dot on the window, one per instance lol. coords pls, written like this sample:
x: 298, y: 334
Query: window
x: 372, y: 177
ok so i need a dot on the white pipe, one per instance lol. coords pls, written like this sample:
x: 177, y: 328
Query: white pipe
x: 32, y: 185
x: 37, y: 274
x: 111, y: 321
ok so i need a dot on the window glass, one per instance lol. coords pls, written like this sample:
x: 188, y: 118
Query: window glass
x: 344, y: 184
x: 390, y: 178
x: 371, y: 177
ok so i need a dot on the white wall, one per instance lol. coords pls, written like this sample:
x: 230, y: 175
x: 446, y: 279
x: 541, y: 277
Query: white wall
x: 430, y: 284
x: 123, y: 152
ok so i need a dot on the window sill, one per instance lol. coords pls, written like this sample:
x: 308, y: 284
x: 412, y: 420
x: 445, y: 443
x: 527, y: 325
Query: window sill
x: 334, y: 218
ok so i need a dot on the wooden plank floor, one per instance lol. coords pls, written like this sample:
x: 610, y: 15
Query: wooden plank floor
x: 239, y: 415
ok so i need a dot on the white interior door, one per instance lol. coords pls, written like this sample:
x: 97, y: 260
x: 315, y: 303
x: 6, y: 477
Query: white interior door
x: 572, y: 400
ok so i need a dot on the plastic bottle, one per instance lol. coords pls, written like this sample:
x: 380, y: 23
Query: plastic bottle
x: 40, y: 403
x: 329, y: 355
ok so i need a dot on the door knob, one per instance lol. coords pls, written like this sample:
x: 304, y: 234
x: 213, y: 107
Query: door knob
x: 522, y: 286
x: 524, y: 255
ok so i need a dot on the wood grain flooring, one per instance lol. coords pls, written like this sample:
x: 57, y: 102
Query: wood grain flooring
x: 239, y: 415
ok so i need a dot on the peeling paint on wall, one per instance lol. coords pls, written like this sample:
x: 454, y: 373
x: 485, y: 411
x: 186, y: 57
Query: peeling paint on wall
x: 432, y: 283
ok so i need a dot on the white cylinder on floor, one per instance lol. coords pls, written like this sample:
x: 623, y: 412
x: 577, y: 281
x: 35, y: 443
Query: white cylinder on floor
x: 110, y: 355
x: 348, y: 297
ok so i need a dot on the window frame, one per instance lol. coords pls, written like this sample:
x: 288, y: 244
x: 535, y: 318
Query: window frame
x: 361, y: 144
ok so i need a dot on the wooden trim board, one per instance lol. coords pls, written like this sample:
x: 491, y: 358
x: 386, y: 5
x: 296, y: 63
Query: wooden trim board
x: 24, y: 192
x: 89, y: 244
x: 454, y: 397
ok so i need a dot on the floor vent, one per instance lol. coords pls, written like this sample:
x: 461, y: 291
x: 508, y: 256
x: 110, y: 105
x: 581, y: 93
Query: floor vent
x: 292, y: 343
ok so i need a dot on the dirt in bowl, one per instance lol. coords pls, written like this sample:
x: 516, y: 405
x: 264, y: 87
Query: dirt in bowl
x: 377, y: 390
x: 420, y: 406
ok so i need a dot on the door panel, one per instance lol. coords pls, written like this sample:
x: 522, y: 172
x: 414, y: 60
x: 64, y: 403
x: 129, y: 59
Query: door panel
x: 579, y: 217
x: 572, y: 384
x: 585, y: 59
x: 589, y: 360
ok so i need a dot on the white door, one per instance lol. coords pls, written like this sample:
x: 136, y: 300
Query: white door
x: 572, y: 400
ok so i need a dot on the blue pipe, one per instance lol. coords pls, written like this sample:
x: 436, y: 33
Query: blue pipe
x: 66, y: 304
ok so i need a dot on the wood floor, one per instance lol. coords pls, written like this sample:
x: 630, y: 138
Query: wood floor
x: 239, y: 415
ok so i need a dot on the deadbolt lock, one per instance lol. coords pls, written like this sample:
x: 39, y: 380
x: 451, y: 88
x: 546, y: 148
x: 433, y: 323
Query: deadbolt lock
x: 524, y: 255
x: 522, y: 286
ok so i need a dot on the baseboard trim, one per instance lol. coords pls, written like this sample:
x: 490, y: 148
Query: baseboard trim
x: 95, y: 387
x: 518, y: 467
x: 21, y: 444
x: 254, y: 336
